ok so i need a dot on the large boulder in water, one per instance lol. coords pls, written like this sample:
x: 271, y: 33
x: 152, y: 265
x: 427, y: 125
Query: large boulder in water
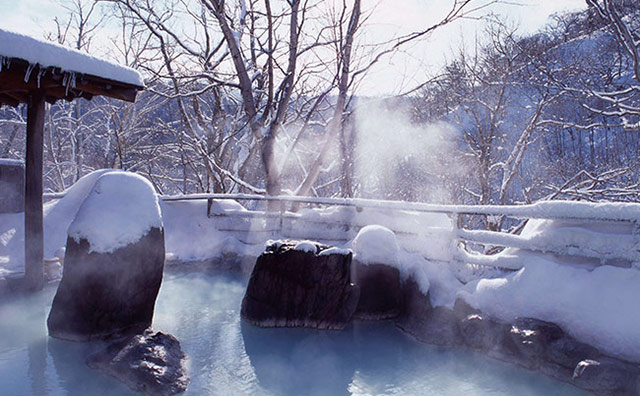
x: 375, y: 271
x: 301, y: 284
x: 113, y: 263
x: 150, y: 362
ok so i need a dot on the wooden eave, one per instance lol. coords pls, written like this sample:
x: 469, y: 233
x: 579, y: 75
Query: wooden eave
x: 18, y: 78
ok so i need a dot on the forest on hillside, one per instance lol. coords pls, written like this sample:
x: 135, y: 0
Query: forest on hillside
x: 259, y: 96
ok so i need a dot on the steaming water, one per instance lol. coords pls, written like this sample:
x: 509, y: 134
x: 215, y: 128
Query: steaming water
x: 228, y: 357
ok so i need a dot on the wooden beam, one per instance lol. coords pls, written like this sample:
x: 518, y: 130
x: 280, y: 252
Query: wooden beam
x: 6, y: 99
x: 33, y: 228
x: 12, y: 79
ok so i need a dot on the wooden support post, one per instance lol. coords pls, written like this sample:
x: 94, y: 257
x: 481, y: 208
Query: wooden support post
x: 33, y: 229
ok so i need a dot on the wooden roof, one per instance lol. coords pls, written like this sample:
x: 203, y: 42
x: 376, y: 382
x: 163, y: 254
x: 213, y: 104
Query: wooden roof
x: 19, y: 78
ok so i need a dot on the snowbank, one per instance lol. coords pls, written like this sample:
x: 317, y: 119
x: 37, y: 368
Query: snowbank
x: 120, y: 209
x: 57, y: 217
x: 375, y: 244
x: 599, y: 307
x: 47, y: 54
x: 191, y: 236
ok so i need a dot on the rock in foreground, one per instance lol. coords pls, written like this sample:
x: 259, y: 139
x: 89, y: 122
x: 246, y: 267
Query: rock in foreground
x: 152, y: 363
x: 301, y: 284
x: 113, y: 262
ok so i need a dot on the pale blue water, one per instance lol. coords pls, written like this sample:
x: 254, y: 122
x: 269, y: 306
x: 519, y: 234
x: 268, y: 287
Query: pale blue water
x: 227, y: 357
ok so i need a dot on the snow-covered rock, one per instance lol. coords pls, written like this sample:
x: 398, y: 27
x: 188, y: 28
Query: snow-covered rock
x: 113, y: 264
x: 599, y: 307
x: 120, y: 209
x: 151, y: 363
x: 292, y: 287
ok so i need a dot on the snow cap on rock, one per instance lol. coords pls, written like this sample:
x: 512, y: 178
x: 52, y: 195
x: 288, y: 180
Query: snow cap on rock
x: 120, y: 209
x: 306, y: 246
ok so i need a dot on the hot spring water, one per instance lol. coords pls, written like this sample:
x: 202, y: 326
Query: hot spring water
x: 228, y: 357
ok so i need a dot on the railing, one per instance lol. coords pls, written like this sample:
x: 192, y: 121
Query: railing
x: 589, y: 233
x: 595, y: 234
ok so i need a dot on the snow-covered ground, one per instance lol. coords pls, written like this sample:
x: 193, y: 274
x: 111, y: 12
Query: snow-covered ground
x: 596, y: 304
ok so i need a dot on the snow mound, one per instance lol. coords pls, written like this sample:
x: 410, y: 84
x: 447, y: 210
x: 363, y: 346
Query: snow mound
x: 335, y: 250
x: 599, y: 307
x: 47, y: 54
x: 306, y: 246
x: 375, y: 244
x: 120, y: 209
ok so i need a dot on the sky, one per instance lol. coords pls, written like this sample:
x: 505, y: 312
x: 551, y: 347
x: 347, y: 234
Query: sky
x: 394, y: 74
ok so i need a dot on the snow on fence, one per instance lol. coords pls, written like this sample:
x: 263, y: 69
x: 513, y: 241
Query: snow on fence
x: 580, y: 232
x: 588, y: 233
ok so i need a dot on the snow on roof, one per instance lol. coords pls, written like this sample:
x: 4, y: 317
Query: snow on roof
x: 47, y: 54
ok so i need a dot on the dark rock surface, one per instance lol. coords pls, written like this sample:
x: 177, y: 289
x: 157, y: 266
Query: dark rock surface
x: 567, y: 352
x: 296, y: 288
x: 102, y: 295
x: 11, y: 186
x: 528, y: 340
x: 380, y: 294
x: 482, y: 333
x: 150, y: 362
x: 606, y: 376
x: 431, y: 325
x: 462, y: 309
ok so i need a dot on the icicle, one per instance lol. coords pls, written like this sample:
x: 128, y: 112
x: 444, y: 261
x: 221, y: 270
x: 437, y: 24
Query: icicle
x: 41, y: 73
x: 69, y: 81
x: 5, y: 62
x: 29, y: 70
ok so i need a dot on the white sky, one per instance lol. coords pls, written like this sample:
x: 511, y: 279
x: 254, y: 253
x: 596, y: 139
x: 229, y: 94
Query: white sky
x: 393, y: 74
